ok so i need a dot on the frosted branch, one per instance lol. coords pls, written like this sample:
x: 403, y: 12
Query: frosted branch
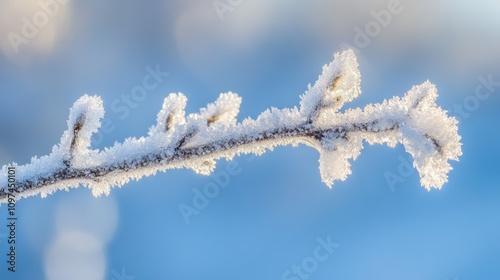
x: 197, y: 141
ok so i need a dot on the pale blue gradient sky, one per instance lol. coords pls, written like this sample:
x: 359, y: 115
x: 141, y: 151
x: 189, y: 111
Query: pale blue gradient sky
x: 270, y: 214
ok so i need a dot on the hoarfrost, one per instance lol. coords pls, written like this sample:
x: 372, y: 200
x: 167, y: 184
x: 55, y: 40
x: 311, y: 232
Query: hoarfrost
x: 198, y: 140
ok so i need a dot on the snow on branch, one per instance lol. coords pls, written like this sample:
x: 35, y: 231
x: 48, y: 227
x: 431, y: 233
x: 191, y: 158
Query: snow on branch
x: 196, y: 141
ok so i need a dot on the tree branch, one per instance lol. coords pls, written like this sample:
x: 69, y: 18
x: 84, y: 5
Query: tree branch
x: 198, y: 140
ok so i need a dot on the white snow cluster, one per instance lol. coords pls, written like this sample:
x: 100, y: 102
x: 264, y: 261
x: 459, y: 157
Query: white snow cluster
x: 171, y: 114
x: 196, y: 141
x: 339, y: 83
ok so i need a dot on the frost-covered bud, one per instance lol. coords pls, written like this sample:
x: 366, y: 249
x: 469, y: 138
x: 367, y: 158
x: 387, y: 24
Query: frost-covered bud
x: 223, y: 111
x: 338, y: 83
x: 84, y: 120
x: 171, y: 115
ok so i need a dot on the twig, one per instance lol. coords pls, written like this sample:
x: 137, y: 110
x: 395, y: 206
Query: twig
x: 198, y: 140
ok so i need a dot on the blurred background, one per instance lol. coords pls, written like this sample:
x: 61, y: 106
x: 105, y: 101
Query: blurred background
x: 273, y: 209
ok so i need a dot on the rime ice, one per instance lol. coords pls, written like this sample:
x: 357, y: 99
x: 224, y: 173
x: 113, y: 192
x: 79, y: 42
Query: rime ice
x: 198, y: 140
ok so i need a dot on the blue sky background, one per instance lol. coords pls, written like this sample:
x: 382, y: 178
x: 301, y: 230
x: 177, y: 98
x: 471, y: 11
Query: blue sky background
x: 271, y: 213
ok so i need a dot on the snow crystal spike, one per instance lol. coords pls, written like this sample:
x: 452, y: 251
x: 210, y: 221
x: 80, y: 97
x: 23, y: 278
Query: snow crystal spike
x: 199, y: 140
